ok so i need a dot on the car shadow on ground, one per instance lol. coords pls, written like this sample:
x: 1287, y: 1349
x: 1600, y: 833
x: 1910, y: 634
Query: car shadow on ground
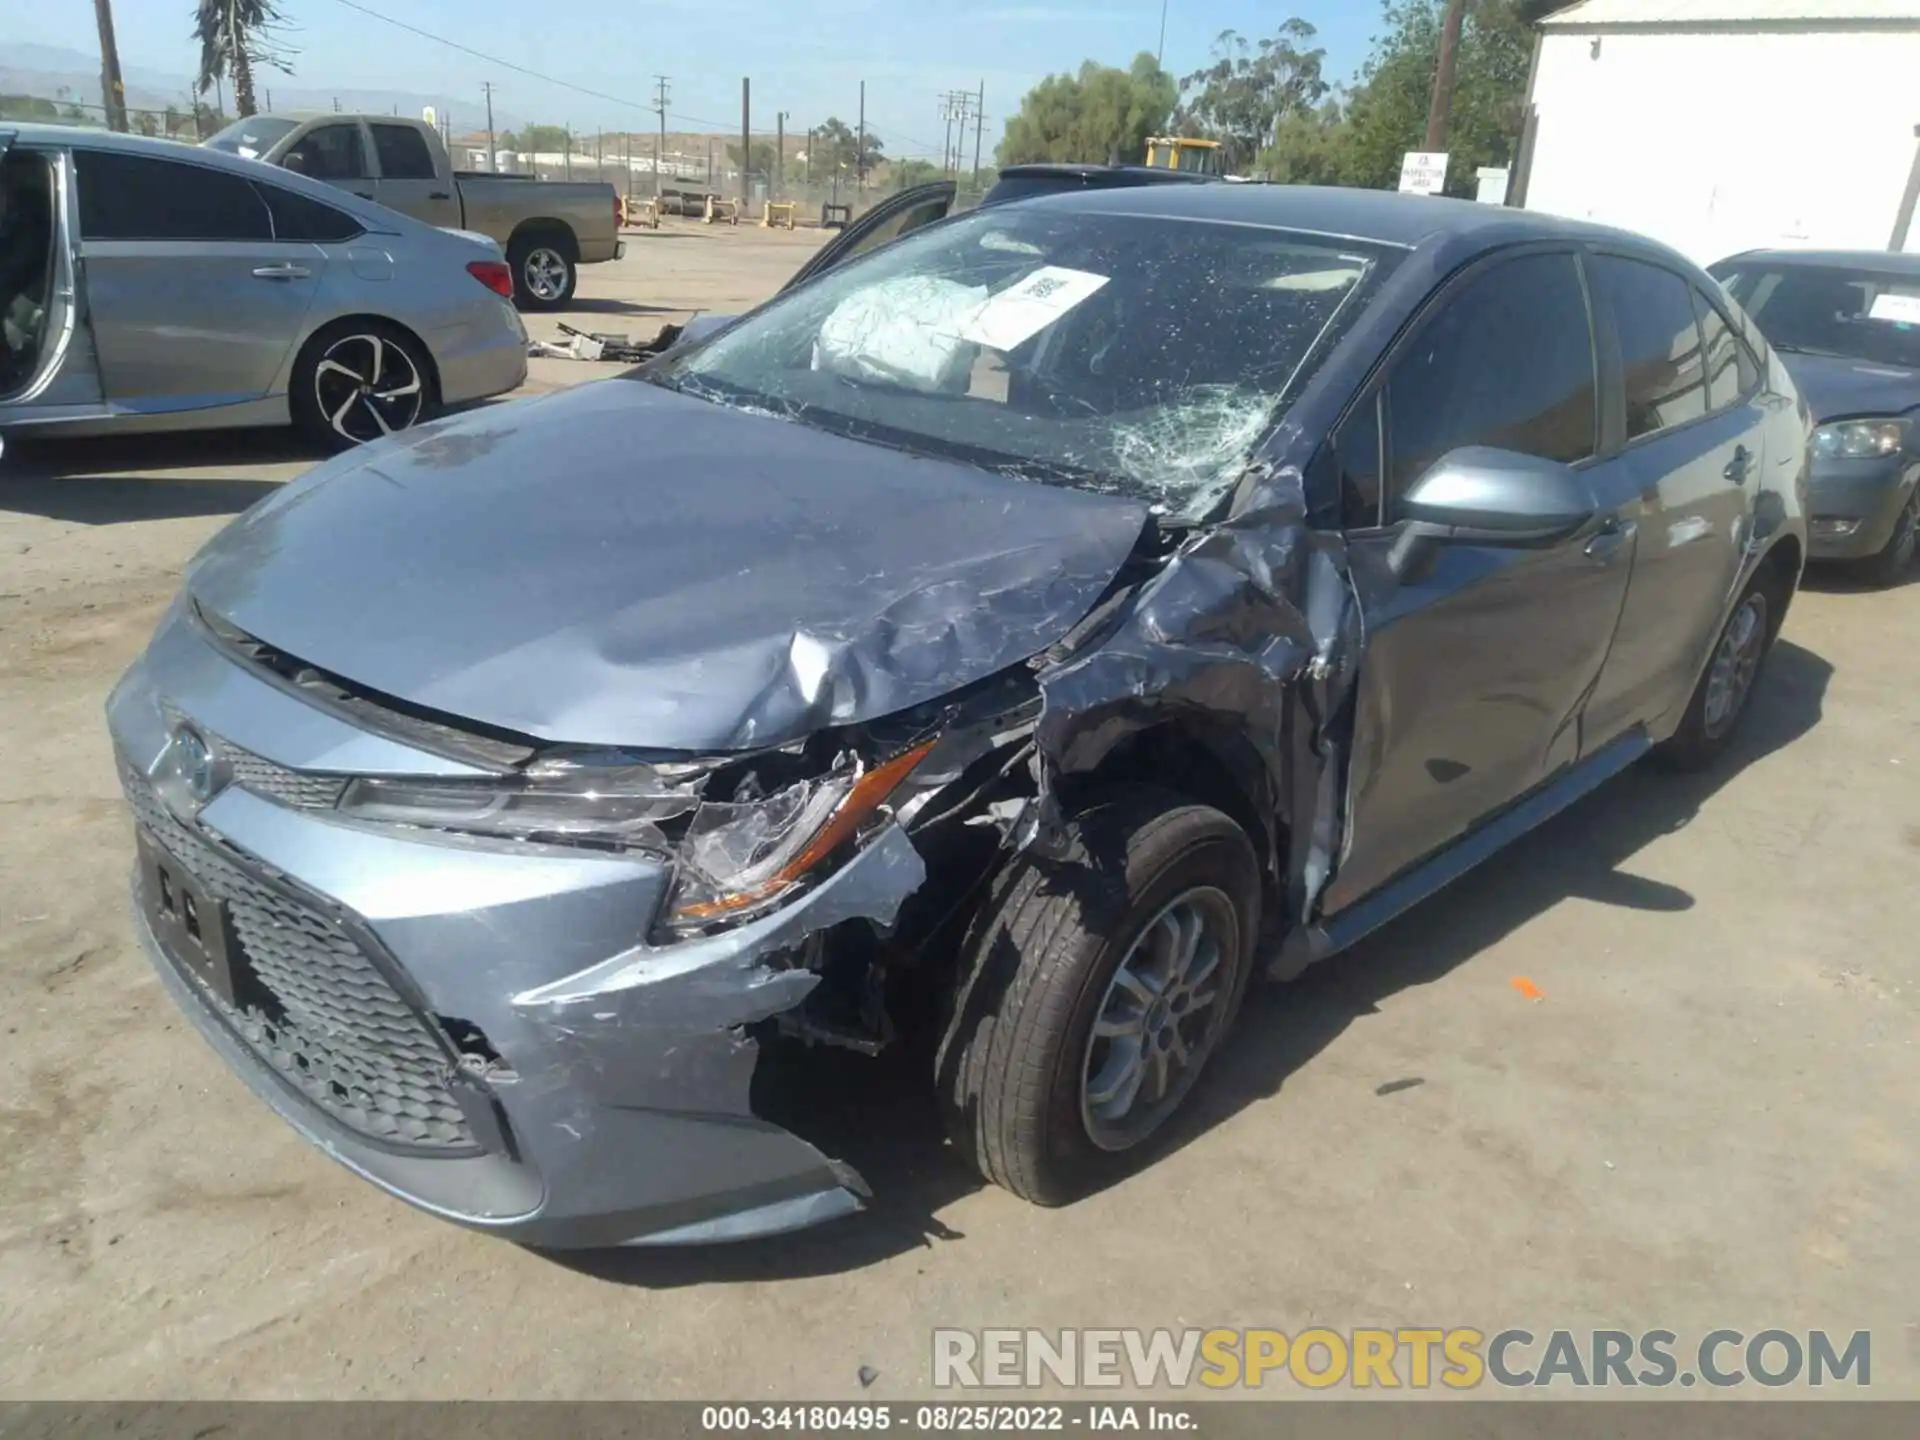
x: 882, y: 1117
x: 601, y: 306
x: 88, y: 482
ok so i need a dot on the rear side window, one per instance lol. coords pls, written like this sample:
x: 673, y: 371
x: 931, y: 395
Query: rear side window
x: 138, y: 197
x: 403, y: 152
x: 1660, y: 353
x: 295, y: 217
x: 1508, y: 363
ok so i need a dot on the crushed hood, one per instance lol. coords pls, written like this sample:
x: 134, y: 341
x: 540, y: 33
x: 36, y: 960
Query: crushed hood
x: 617, y: 564
x: 1837, y: 388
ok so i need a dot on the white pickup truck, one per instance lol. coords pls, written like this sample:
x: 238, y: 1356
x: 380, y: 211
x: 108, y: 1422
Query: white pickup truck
x: 548, y: 228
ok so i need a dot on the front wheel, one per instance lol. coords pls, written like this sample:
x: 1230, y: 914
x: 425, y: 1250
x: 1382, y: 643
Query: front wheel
x: 1096, y: 989
x: 358, y: 381
x: 1720, y: 699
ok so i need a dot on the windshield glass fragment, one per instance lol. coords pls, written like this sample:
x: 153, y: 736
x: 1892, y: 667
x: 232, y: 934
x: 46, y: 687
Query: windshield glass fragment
x: 1134, y: 355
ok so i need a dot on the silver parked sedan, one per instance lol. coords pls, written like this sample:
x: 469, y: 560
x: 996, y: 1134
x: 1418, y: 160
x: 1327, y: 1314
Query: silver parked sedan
x: 148, y: 286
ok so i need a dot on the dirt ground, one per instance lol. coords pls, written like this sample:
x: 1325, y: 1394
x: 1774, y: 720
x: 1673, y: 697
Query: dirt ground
x: 1706, y: 1117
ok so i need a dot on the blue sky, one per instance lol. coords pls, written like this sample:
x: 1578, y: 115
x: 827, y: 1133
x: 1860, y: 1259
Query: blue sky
x: 806, y: 59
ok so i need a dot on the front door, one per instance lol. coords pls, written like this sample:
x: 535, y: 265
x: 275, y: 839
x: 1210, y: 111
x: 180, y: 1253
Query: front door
x: 885, y: 222
x: 1478, y: 660
x: 1694, y: 440
x: 46, y: 364
x: 191, y: 300
x: 407, y: 181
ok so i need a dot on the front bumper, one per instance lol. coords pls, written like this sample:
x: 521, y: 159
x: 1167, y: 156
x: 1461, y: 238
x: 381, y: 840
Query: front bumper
x: 590, y: 1091
x: 1853, y: 504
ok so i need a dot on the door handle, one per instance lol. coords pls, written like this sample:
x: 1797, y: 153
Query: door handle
x: 1613, y: 536
x: 1739, y: 465
x: 438, y: 195
x: 281, y: 272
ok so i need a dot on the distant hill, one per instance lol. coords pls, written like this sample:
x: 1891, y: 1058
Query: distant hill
x: 53, y: 72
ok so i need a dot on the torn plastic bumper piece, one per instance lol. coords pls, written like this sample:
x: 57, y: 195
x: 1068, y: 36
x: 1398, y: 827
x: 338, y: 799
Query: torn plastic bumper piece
x: 621, y: 1090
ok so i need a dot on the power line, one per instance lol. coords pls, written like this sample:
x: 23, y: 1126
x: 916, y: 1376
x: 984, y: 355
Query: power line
x: 522, y: 69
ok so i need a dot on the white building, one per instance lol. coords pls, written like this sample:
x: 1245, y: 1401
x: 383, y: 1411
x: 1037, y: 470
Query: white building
x: 1724, y: 125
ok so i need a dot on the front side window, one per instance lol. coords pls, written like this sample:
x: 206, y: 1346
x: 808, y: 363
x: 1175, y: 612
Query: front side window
x: 1132, y: 355
x: 1660, y: 352
x: 332, y: 152
x: 1508, y: 363
x: 138, y: 197
x: 403, y: 152
x: 1855, y: 314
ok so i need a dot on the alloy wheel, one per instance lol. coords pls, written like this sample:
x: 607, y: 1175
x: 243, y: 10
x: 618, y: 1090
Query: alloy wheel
x: 1736, y: 660
x: 368, y: 386
x: 546, y: 273
x: 1158, y: 1021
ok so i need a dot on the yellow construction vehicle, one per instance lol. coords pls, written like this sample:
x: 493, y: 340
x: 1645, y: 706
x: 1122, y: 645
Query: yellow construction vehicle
x: 1177, y: 152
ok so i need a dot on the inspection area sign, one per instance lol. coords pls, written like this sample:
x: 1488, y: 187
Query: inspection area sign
x: 1423, y: 172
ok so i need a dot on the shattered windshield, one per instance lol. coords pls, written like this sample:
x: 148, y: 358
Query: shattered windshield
x: 1135, y: 355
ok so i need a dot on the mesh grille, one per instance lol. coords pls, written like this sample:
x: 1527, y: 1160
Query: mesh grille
x: 317, y: 1010
x: 292, y: 788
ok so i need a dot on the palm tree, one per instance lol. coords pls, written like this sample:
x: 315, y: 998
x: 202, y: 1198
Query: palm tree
x: 235, y: 35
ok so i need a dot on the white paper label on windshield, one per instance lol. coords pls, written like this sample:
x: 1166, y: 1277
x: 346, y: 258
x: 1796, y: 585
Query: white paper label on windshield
x: 1902, y: 309
x: 1022, y: 311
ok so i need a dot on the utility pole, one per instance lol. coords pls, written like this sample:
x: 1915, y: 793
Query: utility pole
x: 1440, y: 107
x: 1161, y: 48
x: 493, y: 151
x: 746, y: 142
x: 629, y: 186
x: 599, y: 160
x: 979, y: 124
x: 860, y: 145
x: 779, y: 152
x: 660, y: 83
x: 567, y: 158
x: 113, y: 94
x: 809, y: 158
x: 946, y: 138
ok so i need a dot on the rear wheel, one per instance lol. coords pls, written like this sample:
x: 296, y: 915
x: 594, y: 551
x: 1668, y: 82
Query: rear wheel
x: 360, y: 380
x: 545, y: 269
x: 1097, y: 988
x: 1720, y: 699
x: 1891, y: 563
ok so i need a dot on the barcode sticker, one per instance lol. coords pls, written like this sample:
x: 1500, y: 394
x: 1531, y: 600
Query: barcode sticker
x: 1022, y: 311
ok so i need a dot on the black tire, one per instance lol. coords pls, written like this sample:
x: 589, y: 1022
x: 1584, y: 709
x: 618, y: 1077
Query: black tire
x: 1708, y: 728
x: 315, y: 395
x: 546, y: 268
x: 1037, y: 969
x: 1889, y: 567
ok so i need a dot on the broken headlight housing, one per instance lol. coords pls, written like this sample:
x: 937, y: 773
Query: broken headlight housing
x: 734, y: 857
x: 1859, y: 439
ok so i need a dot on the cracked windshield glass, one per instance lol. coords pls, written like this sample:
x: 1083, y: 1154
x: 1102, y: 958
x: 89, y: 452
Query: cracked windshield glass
x: 1127, y: 354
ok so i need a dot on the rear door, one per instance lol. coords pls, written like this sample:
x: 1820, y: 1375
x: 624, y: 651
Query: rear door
x: 407, y: 179
x: 1693, y: 440
x: 191, y: 299
x: 886, y: 222
x: 1478, y: 663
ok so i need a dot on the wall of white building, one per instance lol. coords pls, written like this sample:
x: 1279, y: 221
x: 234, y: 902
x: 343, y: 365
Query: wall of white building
x: 1718, y: 142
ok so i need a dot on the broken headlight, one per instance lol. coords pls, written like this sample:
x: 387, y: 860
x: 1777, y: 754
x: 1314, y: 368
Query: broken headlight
x: 624, y: 805
x: 740, y: 857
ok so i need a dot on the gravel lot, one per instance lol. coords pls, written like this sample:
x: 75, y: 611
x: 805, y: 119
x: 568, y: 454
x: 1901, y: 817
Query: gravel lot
x: 1706, y: 1118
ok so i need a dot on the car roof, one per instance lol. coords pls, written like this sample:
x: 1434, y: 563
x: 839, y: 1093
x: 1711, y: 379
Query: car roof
x: 78, y: 137
x: 1887, y: 262
x: 1122, y: 174
x: 1384, y: 217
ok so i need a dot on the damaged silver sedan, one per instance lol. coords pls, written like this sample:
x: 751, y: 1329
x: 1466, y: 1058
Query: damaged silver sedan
x: 1010, y: 638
